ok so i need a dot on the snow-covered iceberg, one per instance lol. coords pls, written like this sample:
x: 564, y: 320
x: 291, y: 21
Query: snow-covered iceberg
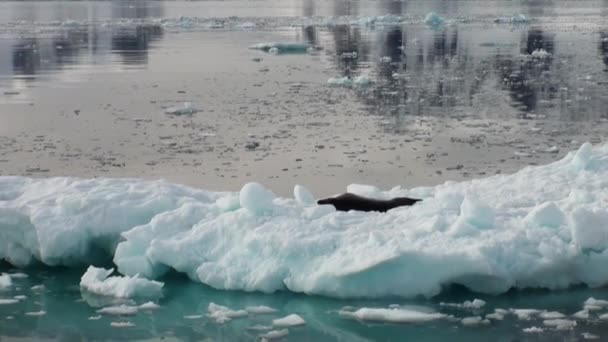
x: 544, y: 226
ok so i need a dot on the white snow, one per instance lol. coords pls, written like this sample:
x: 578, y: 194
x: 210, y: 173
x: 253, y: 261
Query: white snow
x: 119, y: 310
x: 97, y: 280
x: 542, y: 227
x: 391, y: 315
x: 288, y: 321
x: 222, y: 314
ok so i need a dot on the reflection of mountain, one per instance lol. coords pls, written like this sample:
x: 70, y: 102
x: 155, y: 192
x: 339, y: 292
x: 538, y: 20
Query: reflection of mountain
x: 94, y: 44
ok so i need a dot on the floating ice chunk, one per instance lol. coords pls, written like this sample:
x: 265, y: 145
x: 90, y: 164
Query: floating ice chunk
x: 283, y: 48
x: 551, y: 315
x: 193, y: 316
x: 149, y: 306
x: 5, y: 281
x: 583, y: 314
x: 603, y: 317
x: 434, y: 20
x: 474, y: 320
x: 362, y: 81
x: 256, y: 198
x: 496, y: 316
x: 288, y: 321
x: 547, y: 214
x: 302, y: 195
x: 533, y: 330
x: 260, y: 310
x: 596, y: 302
x: 340, y: 82
x: 259, y: 327
x: 560, y: 324
x: 540, y: 53
x: 4, y: 301
x: 589, y: 336
x: 36, y: 313
x: 20, y: 297
x: 475, y: 304
x: 222, y: 314
x: 122, y: 324
x: 386, y: 59
x: 275, y: 334
x: 18, y: 275
x: 186, y: 109
x: 119, y: 310
x: 38, y: 288
x: 515, y: 19
x: 391, y: 315
x: 97, y: 280
x: 94, y: 318
x: 525, y: 314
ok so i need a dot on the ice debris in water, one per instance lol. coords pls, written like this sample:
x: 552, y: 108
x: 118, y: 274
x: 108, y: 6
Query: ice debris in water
x: 98, y: 281
x: 119, y: 310
x: 222, y: 314
x: 474, y: 320
x: 540, y: 53
x: 592, y: 304
x: 186, y: 109
x: 589, y: 336
x: 475, y: 304
x: 149, y: 306
x: 514, y: 19
x: 122, y: 324
x: 260, y: 310
x: 551, y: 315
x: 5, y: 281
x: 36, y: 313
x: 525, y: 314
x: 533, y: 330
x: 283, y: 48
x: 542, y: 227
x: 434, y: 20
x: 560, y: 324
x: 288, y: 321
x: 391, y: 315
x: 275, y: 334
x: 4, y: 301
x: 347, y: 82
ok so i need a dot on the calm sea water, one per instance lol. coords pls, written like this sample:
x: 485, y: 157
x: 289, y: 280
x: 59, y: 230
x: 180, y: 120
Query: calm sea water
x: 478, y: 65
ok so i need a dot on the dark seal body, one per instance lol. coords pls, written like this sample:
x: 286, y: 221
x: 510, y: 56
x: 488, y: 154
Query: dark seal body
x: 348, y: 201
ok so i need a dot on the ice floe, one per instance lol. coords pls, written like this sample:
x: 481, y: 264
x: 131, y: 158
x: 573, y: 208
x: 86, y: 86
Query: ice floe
x: 541, y: 227
x: 222, y: 314
x: 391, y: 315
x: 288, y: 321
x: 119, y: 310
x: 98, y: 281
x: 5, y: 281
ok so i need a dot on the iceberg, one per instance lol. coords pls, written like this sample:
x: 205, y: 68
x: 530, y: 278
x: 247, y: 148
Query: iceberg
x: 541, y: 227
x: 97, y: 281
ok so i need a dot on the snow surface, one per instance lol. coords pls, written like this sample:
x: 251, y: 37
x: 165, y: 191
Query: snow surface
x: 97, y: 280
x: 543, y: 226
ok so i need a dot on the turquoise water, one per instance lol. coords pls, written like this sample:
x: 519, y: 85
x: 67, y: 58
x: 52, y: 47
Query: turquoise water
x: 68, y: 311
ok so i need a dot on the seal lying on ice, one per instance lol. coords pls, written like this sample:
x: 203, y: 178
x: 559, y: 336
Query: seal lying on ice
x: 348, y: 201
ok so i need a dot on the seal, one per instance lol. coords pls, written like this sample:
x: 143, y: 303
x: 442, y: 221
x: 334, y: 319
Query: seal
x: 348, y: 201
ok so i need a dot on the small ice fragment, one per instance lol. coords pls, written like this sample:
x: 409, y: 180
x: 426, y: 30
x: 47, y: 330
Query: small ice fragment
x: 149, y: 306
x: 274, y: 50
x: 288, y: 321
x: 434, y: 20
x: 18, y: 275
x: 386, y: 59
x: 551, y: 315
x: 185, y: 110
x: 495, y: 316
x: 38, y: 288
x: 540, y: 53
x: 20, y: 297
x: 603, y: 317
x: 4, y: 301
x: 522, y: 154
x: 474, y: 320
x: 259, y: 327
x: 119, y: 310
x: 260, y: 310
x: 583, y: 314
x: 589, y: 336
x: 36, y: 313
x: 5, y: 281
x: 391, y: 315
x: 340, y: 82
x: 596, y: 302
x: 223, y: 314
x: 94, y: 318
x: 467, y: 304
x: 362, y: 81
x: 254, y: 197
x: 98, y: 281
x: 560, y: 324
x: 525, y: 314
x: 552, y: 149
x: 122, y: 324
x: 275, y: 334
x: 533, y: 330
x: 193, y: 316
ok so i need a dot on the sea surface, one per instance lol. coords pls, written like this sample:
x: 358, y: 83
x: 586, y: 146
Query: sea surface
x: 89, y: 89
